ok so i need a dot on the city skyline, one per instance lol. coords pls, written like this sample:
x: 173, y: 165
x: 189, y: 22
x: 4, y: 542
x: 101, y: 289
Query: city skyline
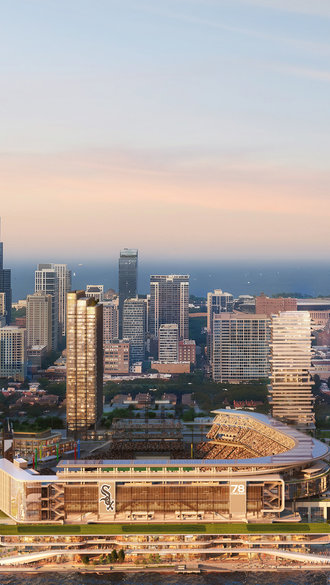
x: 208, y: 115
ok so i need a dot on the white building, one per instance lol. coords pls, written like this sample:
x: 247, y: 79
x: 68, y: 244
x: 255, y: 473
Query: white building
x: 291, y: 356
x: 13, y: 353
x: 96, y: 291
x: 168, y: 343
x: 39, y: 320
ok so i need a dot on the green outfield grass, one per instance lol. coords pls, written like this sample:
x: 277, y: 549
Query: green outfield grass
x: 208, y: 528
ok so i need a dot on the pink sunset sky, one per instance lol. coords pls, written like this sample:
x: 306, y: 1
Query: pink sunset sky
x: 197, y: 129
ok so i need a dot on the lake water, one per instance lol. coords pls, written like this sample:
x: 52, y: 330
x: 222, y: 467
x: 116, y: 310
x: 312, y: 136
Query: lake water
x: 235, y: 277
x: 292, y: 578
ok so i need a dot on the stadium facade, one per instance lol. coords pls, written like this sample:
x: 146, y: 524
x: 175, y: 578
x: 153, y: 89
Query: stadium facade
x: 251, y: 469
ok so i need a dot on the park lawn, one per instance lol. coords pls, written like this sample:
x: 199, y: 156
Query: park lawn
x: 209, y: 528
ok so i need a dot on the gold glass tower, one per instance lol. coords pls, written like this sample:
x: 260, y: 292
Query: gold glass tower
x: 84, y: 385
x: 291, y: 355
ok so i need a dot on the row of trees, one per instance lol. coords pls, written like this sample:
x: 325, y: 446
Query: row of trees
x: 106, y: 559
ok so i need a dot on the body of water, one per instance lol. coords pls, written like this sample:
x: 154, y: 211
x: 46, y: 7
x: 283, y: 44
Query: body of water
x: 235, y: 277
x: 291, y: 578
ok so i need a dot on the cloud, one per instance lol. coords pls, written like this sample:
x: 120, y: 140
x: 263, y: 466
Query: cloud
x: 301, y: 44
x: 308, y: 7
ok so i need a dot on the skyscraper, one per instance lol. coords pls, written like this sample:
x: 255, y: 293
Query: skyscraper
x: 84, y: 387
x: 127, y: 285
x: 240, y: 347
x: 110, y: 320
x: 39, y: 320
x: 5, y: 285
x: 217, y: 302
x: 46, y: 280
x: 64, y: 286
x: 169, y: 303
x: 291, y: 355
x: 13, y: 353
x: 134, y: 327
x: 168, y: 343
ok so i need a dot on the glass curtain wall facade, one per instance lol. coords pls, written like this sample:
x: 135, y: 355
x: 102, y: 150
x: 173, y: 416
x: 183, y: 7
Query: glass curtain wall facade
x: 84, y: 363
x: 134, y: 327
x: 291, y: 354
x: 169, y: 303
x: 127, y: 285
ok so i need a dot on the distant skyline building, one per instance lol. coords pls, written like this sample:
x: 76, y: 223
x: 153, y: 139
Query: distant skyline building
x: 127, y: 280
x: 46, y: 280
x: 240, y: 347
x: 187, y: 351
x: 218, y: 302
x: 64, y: 276
x: 117, y: 357
x: 291, y: 362
x: 271, y: 306
x: 5, y: 284
x: 39, y: 320
x: 168, y: 343
x: 169, y: 303
x: 13, y: 353
x: 110, y: 320
x: 84, y: 387
x: 96, y: 291
x: 134, y: 327
x: 2, y: 309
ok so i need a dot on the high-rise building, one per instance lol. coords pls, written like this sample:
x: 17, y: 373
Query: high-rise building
x: 110, y: 320
x: 116, y: 356
x: 13, y: 353
x: 291, y: 355
x: 269, y: 306
x: 64, y: 286
x: 5, y: 285
x: 39, y: 320
x: 169, y: 303
x: 218, y: 302
x: 2, y: 309
x: 96, y: 291
x: 46, y: 281
x: 84, y: 365
x: 134, y: 327
x: 127, y: 285
x: 168, y: 343
x: 240, y: 347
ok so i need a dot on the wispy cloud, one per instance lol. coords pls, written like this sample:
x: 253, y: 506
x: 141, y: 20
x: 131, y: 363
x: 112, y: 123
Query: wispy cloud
x: 302, y: 44
x: 316, y: 7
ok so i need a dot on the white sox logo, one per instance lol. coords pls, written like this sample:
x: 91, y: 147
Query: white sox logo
x: 108, y: 501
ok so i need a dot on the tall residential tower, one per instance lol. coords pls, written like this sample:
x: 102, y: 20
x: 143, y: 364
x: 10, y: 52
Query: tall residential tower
x: 84, y: 366
x: 169, y: 303
x: 291, y: 354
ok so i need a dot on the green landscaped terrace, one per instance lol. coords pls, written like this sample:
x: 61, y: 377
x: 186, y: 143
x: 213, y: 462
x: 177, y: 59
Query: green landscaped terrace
x: 209, y: 528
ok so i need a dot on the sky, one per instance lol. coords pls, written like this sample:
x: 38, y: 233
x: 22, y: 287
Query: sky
x: 184, y: 128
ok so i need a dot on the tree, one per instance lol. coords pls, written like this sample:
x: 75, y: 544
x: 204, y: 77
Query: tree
x: 85, y: 559
x: 113, y: 556
x: 121, y: 555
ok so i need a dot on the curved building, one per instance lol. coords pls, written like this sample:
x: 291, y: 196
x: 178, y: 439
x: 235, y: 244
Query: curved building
x: 250, y: 468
